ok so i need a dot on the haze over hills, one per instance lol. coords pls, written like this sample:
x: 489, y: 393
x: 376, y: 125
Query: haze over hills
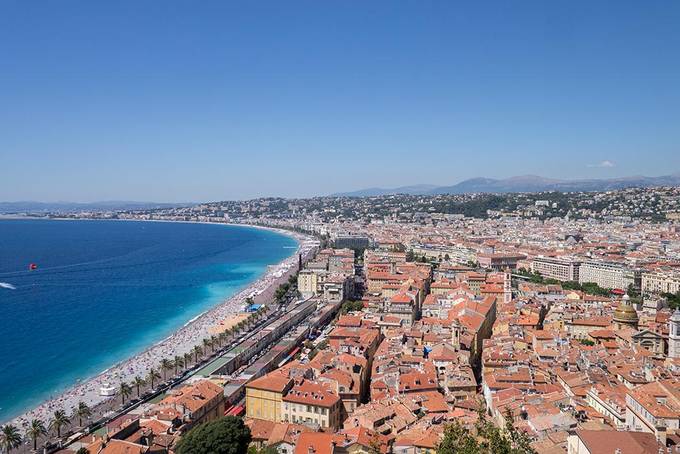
x: 524, y: 183
x: 67, y: 207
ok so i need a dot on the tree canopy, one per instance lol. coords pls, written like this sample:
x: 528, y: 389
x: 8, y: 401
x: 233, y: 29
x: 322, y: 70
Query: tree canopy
x: 226, y: 435
x: 351, y: 306
x: 489, y: 439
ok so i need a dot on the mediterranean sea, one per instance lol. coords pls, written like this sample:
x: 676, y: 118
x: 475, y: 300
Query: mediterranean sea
x: 103, y: 291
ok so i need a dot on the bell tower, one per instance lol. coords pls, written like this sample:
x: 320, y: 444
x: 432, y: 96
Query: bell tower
x: 674, y: 335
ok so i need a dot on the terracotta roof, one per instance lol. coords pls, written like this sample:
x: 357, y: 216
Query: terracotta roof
x: 608, y: 441
x: 310, y: 393
x: 315, y: 443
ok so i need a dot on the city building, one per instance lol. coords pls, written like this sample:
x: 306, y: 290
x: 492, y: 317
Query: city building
x: 561, y: 269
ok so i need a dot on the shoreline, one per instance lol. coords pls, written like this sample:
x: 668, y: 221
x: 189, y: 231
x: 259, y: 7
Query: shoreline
x: 179, y: 341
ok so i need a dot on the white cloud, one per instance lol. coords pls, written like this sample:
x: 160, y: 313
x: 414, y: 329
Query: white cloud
x: 604, y: 164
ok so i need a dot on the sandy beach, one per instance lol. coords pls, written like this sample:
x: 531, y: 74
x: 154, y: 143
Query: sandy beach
x: 181, y: 341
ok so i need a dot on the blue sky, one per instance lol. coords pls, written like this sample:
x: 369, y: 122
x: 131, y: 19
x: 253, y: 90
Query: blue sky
x: 192, y: 101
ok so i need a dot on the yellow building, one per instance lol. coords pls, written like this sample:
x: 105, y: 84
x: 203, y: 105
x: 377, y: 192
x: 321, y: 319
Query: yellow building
x: 264, y: 396
x: 314, y: 405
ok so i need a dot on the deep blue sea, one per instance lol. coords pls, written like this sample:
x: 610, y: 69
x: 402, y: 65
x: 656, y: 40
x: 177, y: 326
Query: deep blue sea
x: 105, y: 290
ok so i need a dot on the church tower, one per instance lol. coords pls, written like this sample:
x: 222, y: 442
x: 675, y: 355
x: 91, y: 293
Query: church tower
x: 674, y: 335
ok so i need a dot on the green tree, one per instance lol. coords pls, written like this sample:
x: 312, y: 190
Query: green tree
x: 457, y: 440
x: 263, y: 450
x: 125, y: 390
x: 36, y: 430
x: 82, y: 450
x: 178, y: 362
x: 166, y: 365
x: 82, y: 411
x: 59, y: 420
x: 207, y: 343
x: 226, y: 435
x: 351, y: 306
x: 673, y: 299
x: 10, y: 438
x: 489, y: 439
x: 153, y: 376
x: 138, y: 382
x: 187, y: 359
x: 198, y: 351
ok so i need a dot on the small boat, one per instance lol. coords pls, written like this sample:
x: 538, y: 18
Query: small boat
x: 33, y: 266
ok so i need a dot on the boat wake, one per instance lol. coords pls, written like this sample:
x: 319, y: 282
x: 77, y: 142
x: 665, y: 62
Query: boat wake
x: 7, y: 285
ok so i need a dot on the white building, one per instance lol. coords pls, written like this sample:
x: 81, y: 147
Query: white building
x: 562, y: 269
x: 606, y: 274
x: 660, y: 282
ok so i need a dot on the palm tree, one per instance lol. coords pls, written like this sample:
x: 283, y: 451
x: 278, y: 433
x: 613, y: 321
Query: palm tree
x: 138, y: 382
x: 187, y: 359
x: 36, y: 430
x: 213, y: 342
x: 10, y: 437
x: 59, y: 420
x: 207, y: 343
x: 197, y: 351
x: 124, y: 391
x: 221, y: 338
x: 82, y: 411
x: 153, y: 375
x: 166, y: 365
x: 178, y: 362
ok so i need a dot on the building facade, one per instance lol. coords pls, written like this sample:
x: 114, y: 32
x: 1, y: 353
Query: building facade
x: 556, y: 268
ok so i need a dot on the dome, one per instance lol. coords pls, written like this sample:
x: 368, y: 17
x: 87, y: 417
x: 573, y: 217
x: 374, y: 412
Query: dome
x: 626, y: 313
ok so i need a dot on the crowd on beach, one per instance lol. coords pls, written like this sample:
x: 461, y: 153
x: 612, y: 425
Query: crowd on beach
x: 182, y: 341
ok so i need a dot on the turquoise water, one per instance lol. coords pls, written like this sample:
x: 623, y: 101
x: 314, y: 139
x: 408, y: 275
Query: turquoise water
x: 106, y: 290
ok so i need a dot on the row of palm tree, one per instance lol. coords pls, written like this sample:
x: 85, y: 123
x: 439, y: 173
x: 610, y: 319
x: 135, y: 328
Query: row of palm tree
x: 10, y: 437
x: 166, y: 365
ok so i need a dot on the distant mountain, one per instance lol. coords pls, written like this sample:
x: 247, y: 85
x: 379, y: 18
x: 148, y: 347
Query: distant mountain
x: 525, y: 183
x: 533, y: 183
x: 73, y: 207
x: 371, y: 192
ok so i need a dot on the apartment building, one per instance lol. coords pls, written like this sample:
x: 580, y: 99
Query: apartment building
x: 265, y: 394
x: 314, y: 405
x: 655, y: 408
x: 499, y: 262
x: 562, y: 269
x: 660, y: 282
x: 606, y: 274
x: 611, y: 442
x: 199, y: 402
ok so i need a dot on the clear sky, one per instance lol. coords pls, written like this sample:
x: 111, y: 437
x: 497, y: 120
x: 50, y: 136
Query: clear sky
x: 194, y: 101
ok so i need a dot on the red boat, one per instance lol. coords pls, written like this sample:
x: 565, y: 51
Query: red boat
x: 32, y: 266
